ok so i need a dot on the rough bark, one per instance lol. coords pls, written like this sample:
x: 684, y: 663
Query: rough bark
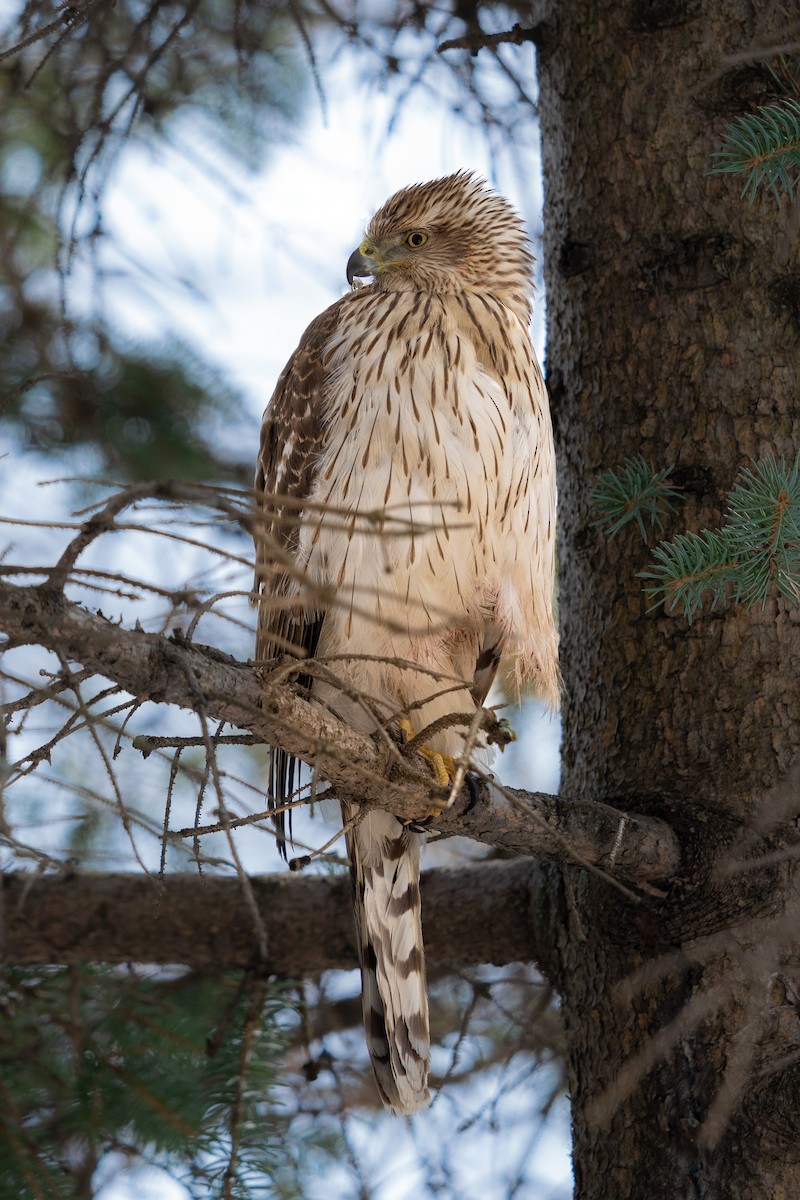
x: 670, y: 336
x: 641, y: 849
x: 475, y: 913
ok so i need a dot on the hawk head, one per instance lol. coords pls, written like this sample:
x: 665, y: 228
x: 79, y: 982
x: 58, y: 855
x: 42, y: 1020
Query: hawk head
x: 453, y: 234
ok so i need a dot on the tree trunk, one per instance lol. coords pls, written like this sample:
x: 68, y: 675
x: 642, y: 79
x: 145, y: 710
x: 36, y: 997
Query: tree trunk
x: 671, y: 334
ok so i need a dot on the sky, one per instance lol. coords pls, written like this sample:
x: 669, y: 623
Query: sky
x: 249, y: 259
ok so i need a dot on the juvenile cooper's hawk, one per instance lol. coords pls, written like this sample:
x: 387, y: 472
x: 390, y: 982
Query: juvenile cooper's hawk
x: 416, y: 398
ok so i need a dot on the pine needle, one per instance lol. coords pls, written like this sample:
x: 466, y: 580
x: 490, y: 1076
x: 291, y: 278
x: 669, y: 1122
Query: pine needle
x: 631, y: 493
x: 688, y: 567
x: 766, y: 145
x: 755, y: 553
x: 763, y: 526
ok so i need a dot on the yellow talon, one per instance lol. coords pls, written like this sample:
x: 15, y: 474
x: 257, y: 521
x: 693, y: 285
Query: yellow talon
x: 406, y: 729
x: 444, y: 765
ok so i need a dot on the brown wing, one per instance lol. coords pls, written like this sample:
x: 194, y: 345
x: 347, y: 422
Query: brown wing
x: 292, y: 434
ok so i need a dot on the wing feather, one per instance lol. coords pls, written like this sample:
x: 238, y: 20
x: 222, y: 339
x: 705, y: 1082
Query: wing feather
x: 292, y: 438
x: 488, y: 660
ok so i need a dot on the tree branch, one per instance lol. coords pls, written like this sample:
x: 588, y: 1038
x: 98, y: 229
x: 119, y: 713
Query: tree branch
x: 640, y: 849
x: 476, y: 913
x: 479, y: 40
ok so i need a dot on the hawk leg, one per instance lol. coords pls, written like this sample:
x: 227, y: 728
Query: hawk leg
x: 444, y: 765
x: 444, y: 770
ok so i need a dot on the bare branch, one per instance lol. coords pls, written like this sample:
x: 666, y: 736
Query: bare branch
x: 71, y: 16
x: 147, y: 744
x: 479, y: 40
x: 476, y: 913
x: 149, y: 666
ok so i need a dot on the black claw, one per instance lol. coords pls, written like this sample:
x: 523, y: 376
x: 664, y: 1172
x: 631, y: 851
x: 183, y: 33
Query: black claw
x: 418, y: 824
x: 474, y: 787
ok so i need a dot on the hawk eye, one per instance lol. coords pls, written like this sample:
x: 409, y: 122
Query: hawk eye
x: 415, y: 240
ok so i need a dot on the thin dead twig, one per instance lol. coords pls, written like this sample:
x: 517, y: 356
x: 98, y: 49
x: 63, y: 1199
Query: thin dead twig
x: 479, y: 40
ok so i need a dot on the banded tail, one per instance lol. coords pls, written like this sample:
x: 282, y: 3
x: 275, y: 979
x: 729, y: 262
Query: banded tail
x: 384, y: 868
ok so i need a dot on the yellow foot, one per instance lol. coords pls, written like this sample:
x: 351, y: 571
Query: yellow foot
x: 444, y: 767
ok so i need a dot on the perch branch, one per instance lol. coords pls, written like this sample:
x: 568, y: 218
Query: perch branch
x: 152, y: 667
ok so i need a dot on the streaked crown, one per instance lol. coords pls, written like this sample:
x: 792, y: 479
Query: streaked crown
x: 452, y: 234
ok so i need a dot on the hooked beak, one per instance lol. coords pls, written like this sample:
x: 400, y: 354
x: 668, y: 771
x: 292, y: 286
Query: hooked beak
x: 358, y: 265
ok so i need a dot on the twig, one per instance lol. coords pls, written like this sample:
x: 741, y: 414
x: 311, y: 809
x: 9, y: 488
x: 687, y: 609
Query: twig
x: 146, y: 743
x: 479, y: 40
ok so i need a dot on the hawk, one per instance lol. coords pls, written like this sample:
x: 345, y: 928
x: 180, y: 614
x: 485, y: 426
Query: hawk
x: 407, y: 479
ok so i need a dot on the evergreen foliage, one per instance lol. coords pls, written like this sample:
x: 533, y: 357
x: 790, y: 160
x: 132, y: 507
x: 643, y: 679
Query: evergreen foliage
x: 766, y: 146
x: 690, y: 566
x: 755, y: 552
x: 144, y: 412
x: 110, y: 1068
x: 631, y: 493
x: 72, y: 99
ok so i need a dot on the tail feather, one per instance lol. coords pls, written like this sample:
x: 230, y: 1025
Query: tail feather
x: 384, y: 865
